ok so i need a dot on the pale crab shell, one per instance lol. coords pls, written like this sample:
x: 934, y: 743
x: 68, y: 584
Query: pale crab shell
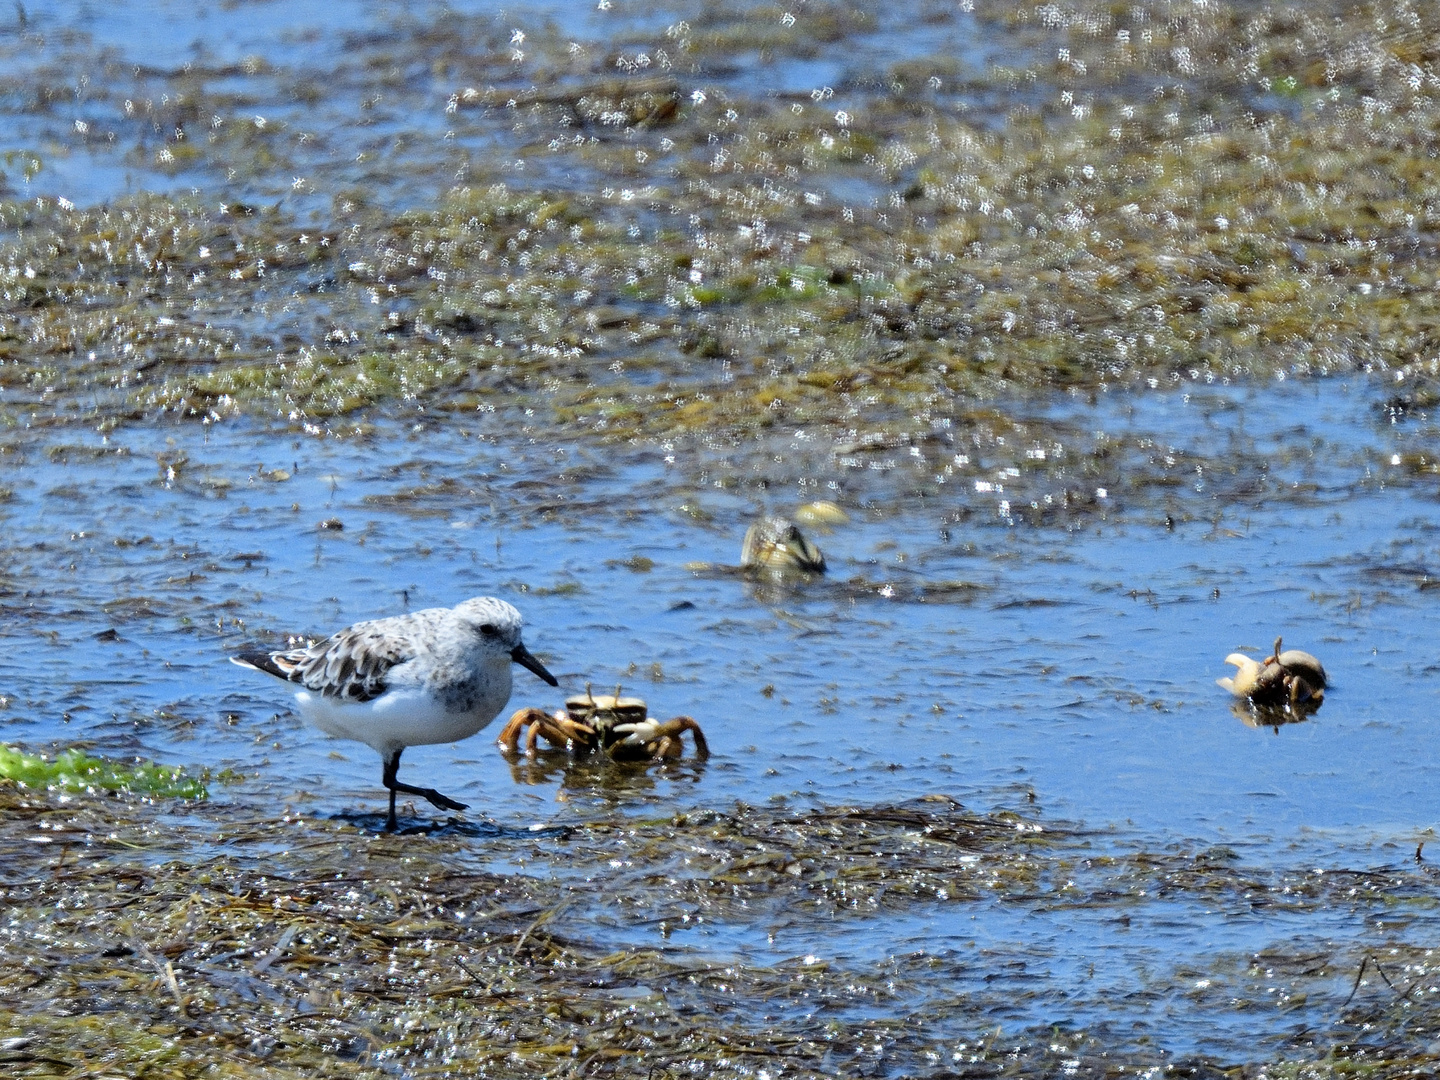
x: 1299, y: 662
x: 821, y: 513
x: 586, y: 708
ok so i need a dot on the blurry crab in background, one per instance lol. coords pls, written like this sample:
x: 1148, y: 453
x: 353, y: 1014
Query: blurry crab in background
x: 776, y: 545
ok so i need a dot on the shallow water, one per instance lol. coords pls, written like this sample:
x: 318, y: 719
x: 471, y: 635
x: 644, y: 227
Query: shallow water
x: 1073, y: 681
x: 365, y: 92
x: 1027, y: 611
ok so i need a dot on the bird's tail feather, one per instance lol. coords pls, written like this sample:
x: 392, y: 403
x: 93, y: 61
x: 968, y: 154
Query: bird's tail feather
x: 260, y: 661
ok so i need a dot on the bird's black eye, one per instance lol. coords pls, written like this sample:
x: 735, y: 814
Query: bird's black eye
x: 488, y: 629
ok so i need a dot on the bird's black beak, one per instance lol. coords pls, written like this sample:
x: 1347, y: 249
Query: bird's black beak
x: 521, y: 656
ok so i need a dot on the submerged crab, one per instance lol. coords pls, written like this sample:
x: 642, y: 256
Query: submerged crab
x: 1292, y: 678
x: 617, y: 725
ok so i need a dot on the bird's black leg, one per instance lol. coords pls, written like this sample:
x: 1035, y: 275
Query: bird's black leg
x: 392, y: 765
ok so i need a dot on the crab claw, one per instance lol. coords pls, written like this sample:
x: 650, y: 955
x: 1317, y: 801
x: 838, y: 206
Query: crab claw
x: 638, y: 734
x: 661, y: 740
x: 509, y: 740
x: 1247, y: 675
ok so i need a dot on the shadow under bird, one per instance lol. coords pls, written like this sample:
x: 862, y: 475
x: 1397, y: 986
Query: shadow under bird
x: 432, y: 676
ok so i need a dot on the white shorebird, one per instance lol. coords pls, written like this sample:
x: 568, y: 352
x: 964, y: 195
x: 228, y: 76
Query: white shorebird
x: 433, y: 676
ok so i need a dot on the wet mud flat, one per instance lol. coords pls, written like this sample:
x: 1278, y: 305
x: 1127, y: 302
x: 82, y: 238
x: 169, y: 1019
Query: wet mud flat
x: 1110, y: 329
x: 304, y: 947
x: 706, y: 224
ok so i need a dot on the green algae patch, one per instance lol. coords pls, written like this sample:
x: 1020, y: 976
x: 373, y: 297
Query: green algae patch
x: 322, y: 384
x: 74, y: 770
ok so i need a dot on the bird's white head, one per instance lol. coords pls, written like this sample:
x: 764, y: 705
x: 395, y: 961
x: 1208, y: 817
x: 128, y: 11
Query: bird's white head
x: 491, y: 620
x: 497, y: 627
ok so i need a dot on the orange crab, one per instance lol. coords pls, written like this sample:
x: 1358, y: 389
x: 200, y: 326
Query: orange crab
x: 617, y: 725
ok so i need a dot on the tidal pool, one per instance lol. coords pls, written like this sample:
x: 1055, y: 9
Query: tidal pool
x: 953, y: 653
x: 1111, y: 330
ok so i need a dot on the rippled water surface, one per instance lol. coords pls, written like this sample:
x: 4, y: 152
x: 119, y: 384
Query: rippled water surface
x: 551, y: 304
x: 376, y: 78
x: 1072, y: 678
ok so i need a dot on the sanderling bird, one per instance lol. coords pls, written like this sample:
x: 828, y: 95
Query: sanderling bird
x: 433, y: 676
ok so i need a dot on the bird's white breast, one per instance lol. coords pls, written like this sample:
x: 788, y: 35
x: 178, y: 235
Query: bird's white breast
x: 413, y: 712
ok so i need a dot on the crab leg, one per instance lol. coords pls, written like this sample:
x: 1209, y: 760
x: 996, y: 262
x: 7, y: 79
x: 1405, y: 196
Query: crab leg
x: 686, y: 723
x: 509, y: 739
x: 663, y: 739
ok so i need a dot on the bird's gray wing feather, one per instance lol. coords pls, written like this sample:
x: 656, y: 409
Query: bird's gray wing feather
x: 352, y: 665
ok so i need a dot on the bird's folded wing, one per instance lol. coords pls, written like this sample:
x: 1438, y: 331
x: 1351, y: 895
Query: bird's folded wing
x: 351, y: 666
